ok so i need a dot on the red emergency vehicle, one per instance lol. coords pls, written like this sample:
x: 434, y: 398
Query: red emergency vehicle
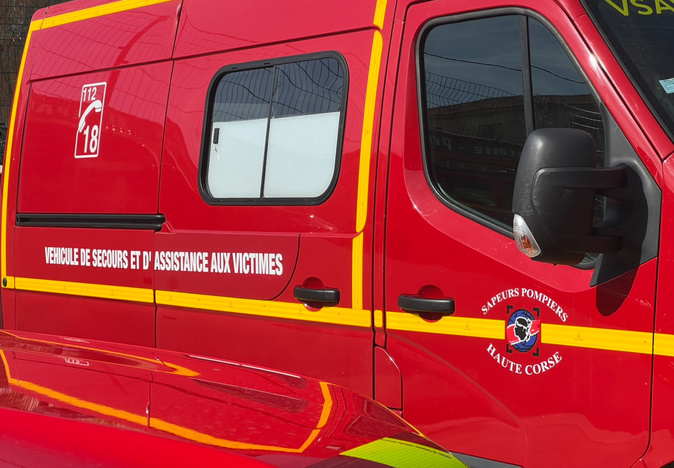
x: 327, y: 188
x: 80, y: 403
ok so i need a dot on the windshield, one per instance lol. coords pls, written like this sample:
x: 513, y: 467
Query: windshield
x: 641, y: 33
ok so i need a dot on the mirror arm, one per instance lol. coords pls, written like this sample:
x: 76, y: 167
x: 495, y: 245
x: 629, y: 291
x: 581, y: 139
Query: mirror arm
x: 581, y: 177
x: 604, y: 181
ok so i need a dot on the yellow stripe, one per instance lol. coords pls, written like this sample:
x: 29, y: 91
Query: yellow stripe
x: 86, y: 405
x: 34, y: 26
x: 291, y: 311
x: 200, y: 437
x: 323, y: 420
x: 564, y: 335
x: 597, y: 338
x: 379, y: 13
x: 663, y: 345
x: 5, y: 364
x: 368, y: 126
x: 403, y: 454
x: 98, y: 11
x: 460, y: 326
x: 101, y: 409
x: 155, y: 423
x: 366, y: 154
x: 176, y: 369
x: 164, y: 426
x: 357, y: 273
x: 101, y: 291
x: 378, y: 319
x: 207, y: 439
x: 274, y: 309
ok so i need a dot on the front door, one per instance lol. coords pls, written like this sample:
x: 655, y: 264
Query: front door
x: 502, y: 357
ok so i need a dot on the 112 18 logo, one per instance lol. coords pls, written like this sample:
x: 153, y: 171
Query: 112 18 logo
x: 92, y: 103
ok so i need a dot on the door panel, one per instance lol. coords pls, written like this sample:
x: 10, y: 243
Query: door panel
x: 307, y: 225
x: 533, y: 363
x: 251, y: 266
x: 87, y: 204
x: 82, y: 129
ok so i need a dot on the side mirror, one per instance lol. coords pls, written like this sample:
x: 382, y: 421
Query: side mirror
x: 554, y: 198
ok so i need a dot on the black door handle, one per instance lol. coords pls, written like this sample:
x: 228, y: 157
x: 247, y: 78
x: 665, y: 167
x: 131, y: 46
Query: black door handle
x: 327, y: 296
x: 416, y: 304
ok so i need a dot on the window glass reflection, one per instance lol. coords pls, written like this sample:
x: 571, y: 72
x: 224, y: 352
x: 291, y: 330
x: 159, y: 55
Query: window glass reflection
x: 475, y: 112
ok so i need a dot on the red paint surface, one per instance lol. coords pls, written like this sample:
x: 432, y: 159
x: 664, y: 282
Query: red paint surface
x: 84, y: 403
x: 591, y: 407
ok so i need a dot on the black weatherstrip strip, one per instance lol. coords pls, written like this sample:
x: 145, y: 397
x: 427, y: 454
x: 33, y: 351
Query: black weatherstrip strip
x: 152, y: 222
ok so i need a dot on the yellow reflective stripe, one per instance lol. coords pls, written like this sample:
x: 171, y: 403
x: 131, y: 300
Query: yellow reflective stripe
x: 164, y: 426
x: 461, y: 326
x: 368, y: 127
x: 565, y: 335
x: 176, y: 369
x: 380, y: 13
x: 403, y: 454
x: 368, y: 117
x: 597, y: 338
x: 284, y: 310
x: 120, y: 293
x: 208, y: 439
x: 323, y: 420
x: 98, y: 11
x: 378, y: 319
x: 82, y: 404
x: 274, y: 309
x: 100, y: 409
x: 357, y: 272
x: 34, y: 26
x: 366, y: 154
x: 663, y: 345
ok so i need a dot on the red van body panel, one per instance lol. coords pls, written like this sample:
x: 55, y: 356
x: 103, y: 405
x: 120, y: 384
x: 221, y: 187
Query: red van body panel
x: 203, y: 29
x: 136, y: 138
x: 105, y: 41
x: 76, y: 402
x: 397, y: 126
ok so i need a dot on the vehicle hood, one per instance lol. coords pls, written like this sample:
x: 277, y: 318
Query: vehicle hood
x: 74, y: 388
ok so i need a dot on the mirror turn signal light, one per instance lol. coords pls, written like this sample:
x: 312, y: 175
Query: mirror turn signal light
x: 524, y: 238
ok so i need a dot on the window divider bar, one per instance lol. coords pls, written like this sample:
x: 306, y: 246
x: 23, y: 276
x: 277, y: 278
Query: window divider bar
x: 270, y: 109
x: 526, y: 75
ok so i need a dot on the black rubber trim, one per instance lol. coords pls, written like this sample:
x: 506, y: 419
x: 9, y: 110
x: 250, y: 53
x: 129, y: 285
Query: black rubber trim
x: 152, y: 222
x: 416, y: 304
x: 207, y: 123
x: 328, y: 296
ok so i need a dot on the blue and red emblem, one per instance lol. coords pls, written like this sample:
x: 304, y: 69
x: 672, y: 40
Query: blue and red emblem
x: 522, y: 330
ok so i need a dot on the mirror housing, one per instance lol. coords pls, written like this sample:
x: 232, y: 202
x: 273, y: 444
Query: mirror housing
x: 554, y: 197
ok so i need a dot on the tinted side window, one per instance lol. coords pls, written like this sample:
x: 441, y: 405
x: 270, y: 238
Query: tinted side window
x: 560, y: 96
x: 274, y: 132
x: 485, y: 89
x: 475, y: 112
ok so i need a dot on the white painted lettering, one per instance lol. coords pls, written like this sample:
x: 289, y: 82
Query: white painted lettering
x: 500, y: 297
x: 543, y: 366
x: 506, y: 363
